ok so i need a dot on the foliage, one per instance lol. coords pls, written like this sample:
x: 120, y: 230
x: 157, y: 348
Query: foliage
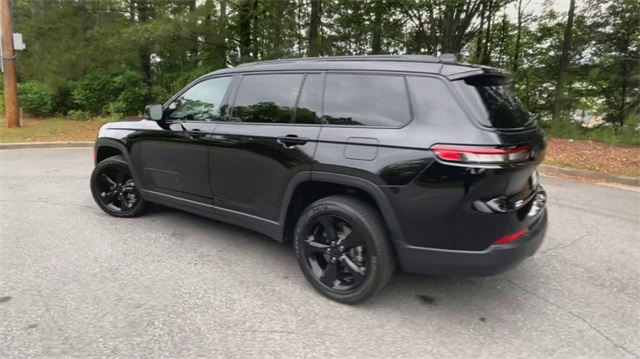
x: 35, y: 99
x: 104, y: 93
x: 78, y: 115
x: 113, y: 57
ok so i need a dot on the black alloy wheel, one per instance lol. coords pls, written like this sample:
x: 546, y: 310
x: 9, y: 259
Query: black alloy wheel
x: 343, y: 249
x: 114, y: 189
x: 337, y: 256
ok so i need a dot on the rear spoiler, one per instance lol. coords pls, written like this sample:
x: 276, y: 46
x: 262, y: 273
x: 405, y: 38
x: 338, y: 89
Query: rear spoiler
x: 460, y: 71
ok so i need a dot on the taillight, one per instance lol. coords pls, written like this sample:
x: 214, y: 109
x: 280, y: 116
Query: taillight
x: 482, y: 155
x: 511, y: 237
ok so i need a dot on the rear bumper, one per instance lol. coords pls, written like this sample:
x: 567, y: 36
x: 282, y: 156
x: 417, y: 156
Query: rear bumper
x: 493, y: 260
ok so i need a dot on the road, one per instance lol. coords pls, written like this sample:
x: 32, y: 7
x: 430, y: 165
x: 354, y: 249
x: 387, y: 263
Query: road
x: 75, y: 282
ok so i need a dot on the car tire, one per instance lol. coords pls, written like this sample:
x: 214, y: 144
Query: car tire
x: 373, y: 255
x: 114, y: 190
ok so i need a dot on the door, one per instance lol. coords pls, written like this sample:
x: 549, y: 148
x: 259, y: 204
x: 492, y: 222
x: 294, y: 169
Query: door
x: 265, y: 143
x: 172, y: 154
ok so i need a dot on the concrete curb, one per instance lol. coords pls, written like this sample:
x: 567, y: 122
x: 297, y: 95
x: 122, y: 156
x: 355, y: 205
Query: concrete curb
x: 544, y: 169
x: 14, y: 146
x: 606, y: 177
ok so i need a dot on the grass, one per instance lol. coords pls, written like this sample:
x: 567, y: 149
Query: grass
x: 51, y: 130
x: 627, y: 135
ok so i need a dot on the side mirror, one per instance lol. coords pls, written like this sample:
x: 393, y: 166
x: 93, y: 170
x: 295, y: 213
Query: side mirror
x: 154, y: 112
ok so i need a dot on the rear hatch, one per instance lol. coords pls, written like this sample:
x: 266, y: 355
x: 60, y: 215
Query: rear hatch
x: 496, y: 108
x: 506, y: 166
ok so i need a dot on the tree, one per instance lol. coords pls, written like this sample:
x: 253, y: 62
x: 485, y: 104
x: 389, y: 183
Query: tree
x: 564, y: 63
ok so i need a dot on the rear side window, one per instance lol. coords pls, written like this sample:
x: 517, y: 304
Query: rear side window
x: 266, y: 98
x: 495, y: 100
x: 366, y: 100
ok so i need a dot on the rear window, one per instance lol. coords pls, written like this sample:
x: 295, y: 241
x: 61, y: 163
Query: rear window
x: 366, y: 100
x: 496, y: 102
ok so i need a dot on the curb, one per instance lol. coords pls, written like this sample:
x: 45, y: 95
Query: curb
x: 606, y: 177
x: 15, y: 146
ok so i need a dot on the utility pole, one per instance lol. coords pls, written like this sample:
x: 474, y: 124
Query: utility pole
x: 9, y: 63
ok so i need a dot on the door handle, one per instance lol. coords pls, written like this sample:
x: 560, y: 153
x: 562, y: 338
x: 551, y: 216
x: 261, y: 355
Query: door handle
x: 291, y: 141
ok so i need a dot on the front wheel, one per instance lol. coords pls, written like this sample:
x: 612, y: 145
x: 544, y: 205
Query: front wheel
x: 343, y: 249
x: 114, y: 189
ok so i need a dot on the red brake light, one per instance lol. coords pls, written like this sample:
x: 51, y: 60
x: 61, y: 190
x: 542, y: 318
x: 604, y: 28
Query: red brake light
x: 465, y: 154
x: 511, y: 237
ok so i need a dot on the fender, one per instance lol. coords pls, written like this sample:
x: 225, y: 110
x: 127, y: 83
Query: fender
x: 119, y: 145
x: 378, y: 195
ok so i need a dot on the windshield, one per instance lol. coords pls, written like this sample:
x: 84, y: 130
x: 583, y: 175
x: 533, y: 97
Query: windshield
x: 497, y: 102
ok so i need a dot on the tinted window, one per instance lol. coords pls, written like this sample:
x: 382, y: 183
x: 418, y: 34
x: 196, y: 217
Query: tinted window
x: 266, y: 98
x: 368, y: 100
x: 434, y: 102
x: 201, y: 102
x: 497, y: 102
x: 310, y: 104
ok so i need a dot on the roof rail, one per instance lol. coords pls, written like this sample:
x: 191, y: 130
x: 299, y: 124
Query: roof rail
x: 412, y: 58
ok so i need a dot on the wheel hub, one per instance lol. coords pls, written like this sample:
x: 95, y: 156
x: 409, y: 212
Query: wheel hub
x: 335, y: 251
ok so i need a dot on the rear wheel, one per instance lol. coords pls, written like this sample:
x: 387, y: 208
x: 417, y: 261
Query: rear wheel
x: 343, y: 249
x: 114, y: 189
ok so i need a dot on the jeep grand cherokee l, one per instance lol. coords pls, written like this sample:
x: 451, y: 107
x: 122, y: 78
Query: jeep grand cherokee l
x: 363, y: 162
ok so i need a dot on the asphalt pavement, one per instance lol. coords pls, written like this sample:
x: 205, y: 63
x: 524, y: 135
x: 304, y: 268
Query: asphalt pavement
x: 77, y: 283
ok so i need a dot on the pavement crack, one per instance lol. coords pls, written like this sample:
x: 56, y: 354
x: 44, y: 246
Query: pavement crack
x: 575, y: 316
x: 566, y: 245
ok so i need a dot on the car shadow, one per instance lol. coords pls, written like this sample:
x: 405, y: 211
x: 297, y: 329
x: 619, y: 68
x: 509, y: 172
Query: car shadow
x: 475, y: 296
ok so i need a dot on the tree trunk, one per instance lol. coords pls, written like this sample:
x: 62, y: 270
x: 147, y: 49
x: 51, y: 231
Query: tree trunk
x: 314, y: 24
x: 223, y: 30
x: 277, y: 18
x: 433, y: 31
x: 503, y: 38
x: 486, y: 56
x: 143, y: 10
x: 564, y: 63
x: 479, y: 39
x: 245, y: 19
x: 516, y: 53
x: 299, y: 26
x: 194, y: 49
x: 376, y: 41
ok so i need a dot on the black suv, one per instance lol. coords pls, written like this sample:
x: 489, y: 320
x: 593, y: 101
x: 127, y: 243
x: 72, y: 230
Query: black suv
x: 362, y: 162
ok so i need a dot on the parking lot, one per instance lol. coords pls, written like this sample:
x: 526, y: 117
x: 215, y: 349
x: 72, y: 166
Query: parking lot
x: 75, y: 282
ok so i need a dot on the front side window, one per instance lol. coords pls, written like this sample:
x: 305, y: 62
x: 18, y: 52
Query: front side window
x: 202, y: 102
x: 266, y: 98
x: 366, y: 100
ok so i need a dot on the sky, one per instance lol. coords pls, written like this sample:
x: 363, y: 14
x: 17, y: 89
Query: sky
x: 539, y: 6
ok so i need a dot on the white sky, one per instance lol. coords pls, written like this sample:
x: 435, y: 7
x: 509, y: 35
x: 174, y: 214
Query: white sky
x: 539, y: 6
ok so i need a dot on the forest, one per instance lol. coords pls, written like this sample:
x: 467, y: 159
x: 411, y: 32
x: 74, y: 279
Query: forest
x: 112, y: 57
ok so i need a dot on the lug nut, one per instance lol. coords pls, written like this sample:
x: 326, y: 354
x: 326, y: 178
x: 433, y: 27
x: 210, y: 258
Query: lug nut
x: 341, y: 248
x: 333, y: 259
x: 328, y: 250
x: 333, y: 243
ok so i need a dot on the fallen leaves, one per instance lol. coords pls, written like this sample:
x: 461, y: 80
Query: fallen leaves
x: 594, y: 156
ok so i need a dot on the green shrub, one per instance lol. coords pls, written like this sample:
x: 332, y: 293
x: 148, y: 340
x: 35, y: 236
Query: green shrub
x: 35, y: 98
x: 78, y: 115
x: 97, y: 91
x: 115, y: 109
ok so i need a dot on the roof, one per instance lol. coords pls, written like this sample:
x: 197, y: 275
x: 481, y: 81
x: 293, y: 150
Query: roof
x: 444, y: 65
